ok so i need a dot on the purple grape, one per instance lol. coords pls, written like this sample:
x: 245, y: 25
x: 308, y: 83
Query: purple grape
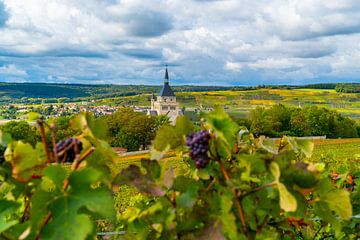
x: 65, y: 149
x: 198, y: 143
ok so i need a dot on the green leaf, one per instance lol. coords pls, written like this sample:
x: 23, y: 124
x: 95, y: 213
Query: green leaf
x: 306, y: 146
x: 87, y: 124
x: 222, y: 124
x: 172, y: 137
x: 5, y: 138
x: 166, y: 138
x: 338, y: 201
x: 227, y: 218
x: 8, y: 210
x: 33, y: 116
x: 275, y: 171
x: 268, y: 144
x: 68, y: 227
x: 71, y: 209
x: 187, y: 199
x: 56, y: 174
x: 287, y: 201
x: 25, y: 159
x: 184, y: 126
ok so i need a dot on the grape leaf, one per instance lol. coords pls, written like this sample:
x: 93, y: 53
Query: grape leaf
x: 223, y: 126
x: 166, y: 138
x: 338, y: 201
x: 187, y: 199
x: 5, y: 138
x: 71, y: 209
x: 7, y: 209
x: 287, y: 201
x: 268, y: 144
x: 68, y: 226
x: 25, y: 159
x: 306, y: 146
x: 227, y: 218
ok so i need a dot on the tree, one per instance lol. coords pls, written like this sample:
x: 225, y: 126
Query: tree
x: 21, y: 130
x: 130, y: 129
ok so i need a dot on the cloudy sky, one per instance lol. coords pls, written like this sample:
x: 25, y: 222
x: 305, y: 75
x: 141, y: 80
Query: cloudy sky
x: 204, y: 42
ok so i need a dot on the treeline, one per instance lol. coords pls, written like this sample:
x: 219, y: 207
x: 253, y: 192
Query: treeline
x: 53, y: 93
x: 348, y: 87
x: 288, y: 87
x: 308, y: 121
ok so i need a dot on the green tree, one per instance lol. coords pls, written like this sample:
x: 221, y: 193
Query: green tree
x: 130, y: 129
x: 22, y: 131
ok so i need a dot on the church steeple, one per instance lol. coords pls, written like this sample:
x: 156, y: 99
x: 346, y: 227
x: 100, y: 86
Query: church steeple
x: 166, y: 90
x: 166, y: 79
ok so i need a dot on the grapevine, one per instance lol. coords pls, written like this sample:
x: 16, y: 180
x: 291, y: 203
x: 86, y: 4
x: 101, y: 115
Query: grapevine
x: 66, y: 149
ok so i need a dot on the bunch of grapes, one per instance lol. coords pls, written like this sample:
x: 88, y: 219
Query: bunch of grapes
x: 199, y: 146
x: 66, y: 149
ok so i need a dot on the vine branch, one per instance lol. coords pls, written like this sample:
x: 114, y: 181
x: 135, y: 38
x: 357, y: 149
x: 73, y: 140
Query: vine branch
x: 40, y: 122
x: 238, y: 203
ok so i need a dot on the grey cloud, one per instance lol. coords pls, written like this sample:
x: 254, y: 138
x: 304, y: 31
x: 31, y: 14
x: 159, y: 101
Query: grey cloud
x: 148, y: 23
x: 3, y: 14
x: 60, y: 52
x: 314, y: 53
x: 143, y: 53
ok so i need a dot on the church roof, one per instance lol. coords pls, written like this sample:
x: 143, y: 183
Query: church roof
x: 166, y: 90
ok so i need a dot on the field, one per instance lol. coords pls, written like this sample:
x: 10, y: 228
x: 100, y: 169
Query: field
x: 239, y: 103
x: 338, y: 154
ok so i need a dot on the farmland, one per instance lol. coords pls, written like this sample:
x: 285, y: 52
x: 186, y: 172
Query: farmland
x: 330, y: 151
x: 338, y: 154
x: 239, y: 103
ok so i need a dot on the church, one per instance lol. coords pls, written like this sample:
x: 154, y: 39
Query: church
x: 165, y: 103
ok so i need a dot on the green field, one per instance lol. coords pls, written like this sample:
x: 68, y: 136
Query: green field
x: 239, y: 103
x: 338, y: 154
x: 329, y: 151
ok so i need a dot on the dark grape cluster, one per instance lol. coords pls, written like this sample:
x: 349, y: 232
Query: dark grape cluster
x: 65, y: 149
x: 199, y: 146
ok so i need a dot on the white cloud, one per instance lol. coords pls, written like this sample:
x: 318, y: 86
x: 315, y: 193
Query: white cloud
x: 234, y: 66
x: 217, y: 42
x: 12, y: 70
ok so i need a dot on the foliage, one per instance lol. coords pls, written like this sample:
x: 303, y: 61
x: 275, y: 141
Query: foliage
x: 308, y: 121
x: 132, y: 130
x: 21, y: 130
x: 251, y: 188
x: 348, y: 87
x: 43, y: 199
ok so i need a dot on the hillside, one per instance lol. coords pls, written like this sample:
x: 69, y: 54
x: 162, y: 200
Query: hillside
x: 22, y: 92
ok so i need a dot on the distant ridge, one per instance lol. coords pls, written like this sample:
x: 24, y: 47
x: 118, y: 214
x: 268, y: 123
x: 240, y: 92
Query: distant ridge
x: 76, y: 92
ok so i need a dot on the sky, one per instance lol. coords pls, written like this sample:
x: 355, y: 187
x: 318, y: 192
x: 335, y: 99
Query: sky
x: 204, y: 42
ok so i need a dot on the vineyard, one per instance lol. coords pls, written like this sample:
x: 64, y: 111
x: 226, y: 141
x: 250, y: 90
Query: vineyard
x: 213, y: 181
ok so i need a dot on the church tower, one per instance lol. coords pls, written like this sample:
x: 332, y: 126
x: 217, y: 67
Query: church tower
x: 165, y: 103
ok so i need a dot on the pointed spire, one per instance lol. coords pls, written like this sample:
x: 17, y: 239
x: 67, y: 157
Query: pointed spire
x: 166, y: 75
